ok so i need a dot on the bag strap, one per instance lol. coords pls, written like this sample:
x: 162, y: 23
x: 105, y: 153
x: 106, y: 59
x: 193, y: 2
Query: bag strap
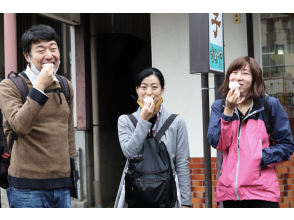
x: 267, y: 117
x: 21, y: 86
x: 23, y: 89
x: 165, y: 126
x: 64, y: 85
x: 133, y: 120
x: 24, y: 75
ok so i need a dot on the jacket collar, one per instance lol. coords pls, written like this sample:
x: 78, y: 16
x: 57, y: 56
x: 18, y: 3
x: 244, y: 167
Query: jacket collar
x: 257, y: 105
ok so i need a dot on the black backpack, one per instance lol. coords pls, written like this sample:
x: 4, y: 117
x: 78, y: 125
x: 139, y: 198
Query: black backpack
x: 150, y: 181
x: 266, y: 114
x: 24, y: 91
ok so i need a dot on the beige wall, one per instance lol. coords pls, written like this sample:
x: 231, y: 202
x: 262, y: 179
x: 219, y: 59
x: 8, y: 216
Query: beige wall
x: 170, y: 54
x: 235, y: 37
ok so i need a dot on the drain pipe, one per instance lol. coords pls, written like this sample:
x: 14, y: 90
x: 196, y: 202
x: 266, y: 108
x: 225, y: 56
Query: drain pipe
x: 95, y: 108
x: 10, y: 43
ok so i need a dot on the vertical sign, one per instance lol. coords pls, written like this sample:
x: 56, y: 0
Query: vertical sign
x: 216, y: 42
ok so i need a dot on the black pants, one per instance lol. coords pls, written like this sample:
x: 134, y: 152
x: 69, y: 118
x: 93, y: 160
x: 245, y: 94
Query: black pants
x: 250, y: 204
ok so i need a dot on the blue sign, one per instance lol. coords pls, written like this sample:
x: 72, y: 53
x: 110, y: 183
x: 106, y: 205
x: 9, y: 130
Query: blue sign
x: 216, y: 57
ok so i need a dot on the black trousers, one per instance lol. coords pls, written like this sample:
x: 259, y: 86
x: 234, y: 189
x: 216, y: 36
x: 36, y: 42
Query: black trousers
x: 250, y: 204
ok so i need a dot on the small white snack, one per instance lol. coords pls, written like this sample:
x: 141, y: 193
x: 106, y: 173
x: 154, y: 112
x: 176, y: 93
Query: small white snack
x: 47, y: 64
x: 234, y: 84
x: 147, y: 99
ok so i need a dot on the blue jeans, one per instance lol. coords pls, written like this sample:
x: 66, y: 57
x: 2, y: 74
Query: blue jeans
x: 39, y: 198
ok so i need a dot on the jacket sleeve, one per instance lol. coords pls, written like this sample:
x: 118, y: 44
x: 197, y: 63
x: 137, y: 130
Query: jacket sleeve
x: 283, y: 148
x: 71, y: 128
x: 182, y: 162
x: 21, y: 117
x: 220, y: 130
x: 131, y: 142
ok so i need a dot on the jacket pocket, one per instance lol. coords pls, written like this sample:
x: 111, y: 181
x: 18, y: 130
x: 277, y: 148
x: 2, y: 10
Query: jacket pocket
x: 224, y: 181
x: 227, y: 169
x: 250, y: 158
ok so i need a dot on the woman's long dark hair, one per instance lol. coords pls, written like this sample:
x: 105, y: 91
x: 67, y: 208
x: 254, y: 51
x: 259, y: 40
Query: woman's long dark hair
x: 257, y: 88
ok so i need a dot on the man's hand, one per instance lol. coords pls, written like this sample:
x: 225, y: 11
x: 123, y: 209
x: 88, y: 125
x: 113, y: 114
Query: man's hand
x: 147, y: 110
x: 45, y: 78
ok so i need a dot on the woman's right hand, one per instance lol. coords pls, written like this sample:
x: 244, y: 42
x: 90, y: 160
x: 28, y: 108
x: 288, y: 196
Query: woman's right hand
x: 232, y: 101
x: 147, y: 110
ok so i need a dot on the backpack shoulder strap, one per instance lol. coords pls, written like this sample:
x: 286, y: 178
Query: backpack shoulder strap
x: 223, y: 104
x: 24, y: 75
x: 23, y: 89
x: 64, y: 85
x: 133, y: 120
x: 165, y: 126
x: 21, y: 86
x: 267, y: 117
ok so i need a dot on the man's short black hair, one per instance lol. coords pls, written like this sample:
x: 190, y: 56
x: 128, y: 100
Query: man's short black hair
x: 36, y: 34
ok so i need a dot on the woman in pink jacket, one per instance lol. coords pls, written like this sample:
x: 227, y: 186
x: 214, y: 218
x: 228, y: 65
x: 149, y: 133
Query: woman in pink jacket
x: 248, y: 177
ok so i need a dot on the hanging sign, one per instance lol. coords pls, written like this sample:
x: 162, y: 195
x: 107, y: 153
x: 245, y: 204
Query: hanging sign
x: 206, y: 43
x: 216, y: 45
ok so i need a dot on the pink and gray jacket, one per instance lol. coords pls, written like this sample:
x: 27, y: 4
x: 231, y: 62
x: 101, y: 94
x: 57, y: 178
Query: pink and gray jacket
x: 244, y: 144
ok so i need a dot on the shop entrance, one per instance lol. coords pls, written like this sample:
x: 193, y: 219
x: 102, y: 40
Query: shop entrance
x: 124, y: 49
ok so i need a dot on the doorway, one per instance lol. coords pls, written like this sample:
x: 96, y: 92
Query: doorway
x: 124, y: 49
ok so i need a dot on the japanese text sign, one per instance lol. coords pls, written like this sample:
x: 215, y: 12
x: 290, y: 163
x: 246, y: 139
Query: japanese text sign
x: 216, y: 42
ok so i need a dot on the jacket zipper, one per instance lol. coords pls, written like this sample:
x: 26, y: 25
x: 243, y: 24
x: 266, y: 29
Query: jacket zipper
x: 260, y: 157
x: 237, y: 170
x: 239, y: 136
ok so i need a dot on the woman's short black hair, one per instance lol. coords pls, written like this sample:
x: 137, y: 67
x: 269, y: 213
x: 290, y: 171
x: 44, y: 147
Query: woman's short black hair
x: 36, y: 34
x: 148, y: 72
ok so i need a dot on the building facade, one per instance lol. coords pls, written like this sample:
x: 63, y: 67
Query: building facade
x: 101, y: 55
x: 266, y: 37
